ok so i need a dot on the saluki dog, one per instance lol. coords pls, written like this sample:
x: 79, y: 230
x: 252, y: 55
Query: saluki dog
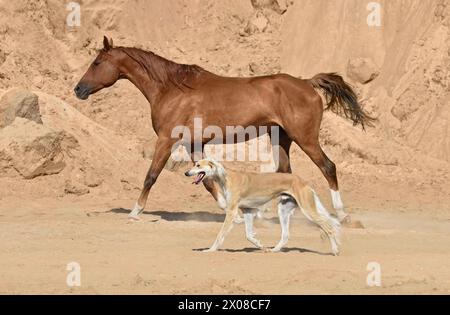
x: 250, y: 191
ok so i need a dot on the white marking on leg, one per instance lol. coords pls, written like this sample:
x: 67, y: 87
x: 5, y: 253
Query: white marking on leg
x: 337, y: 201
x: 134, y: 215
x: 221, y: 201
x: 334, y: 234
x: 285, y: 210
x: 338, y: 205
x: 250, y: 234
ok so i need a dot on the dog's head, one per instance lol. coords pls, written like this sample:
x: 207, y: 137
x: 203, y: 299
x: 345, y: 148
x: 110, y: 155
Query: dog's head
x: 204, y: 169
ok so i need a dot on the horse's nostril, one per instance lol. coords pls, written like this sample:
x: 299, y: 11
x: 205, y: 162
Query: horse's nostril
x: 76, y: 89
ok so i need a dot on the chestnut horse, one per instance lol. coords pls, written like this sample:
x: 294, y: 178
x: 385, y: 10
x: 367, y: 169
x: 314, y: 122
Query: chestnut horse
x: 178, y: 93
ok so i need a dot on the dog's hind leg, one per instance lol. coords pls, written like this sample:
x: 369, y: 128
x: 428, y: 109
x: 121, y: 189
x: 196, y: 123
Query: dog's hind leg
x: 249, y: 215
x: 286, y: 208
x: 314, y: 210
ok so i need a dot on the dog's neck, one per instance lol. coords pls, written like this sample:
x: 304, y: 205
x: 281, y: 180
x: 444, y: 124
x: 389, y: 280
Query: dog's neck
x: 221, y: 179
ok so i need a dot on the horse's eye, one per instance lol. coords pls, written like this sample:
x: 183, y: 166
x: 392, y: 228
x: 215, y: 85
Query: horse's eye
x: 96, y: 62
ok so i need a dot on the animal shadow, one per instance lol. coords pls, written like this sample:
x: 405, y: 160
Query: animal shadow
x: 243, y: 250
x: 198, y: 216
x: 256, y: 250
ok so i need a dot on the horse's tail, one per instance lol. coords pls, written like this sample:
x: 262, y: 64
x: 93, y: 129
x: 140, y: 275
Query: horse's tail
x: 341, y: 98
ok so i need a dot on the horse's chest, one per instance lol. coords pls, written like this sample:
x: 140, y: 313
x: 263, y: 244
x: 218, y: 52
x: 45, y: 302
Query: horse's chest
x: 162, y: 122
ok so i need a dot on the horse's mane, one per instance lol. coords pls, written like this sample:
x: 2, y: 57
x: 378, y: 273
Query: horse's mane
x: 162, y: 70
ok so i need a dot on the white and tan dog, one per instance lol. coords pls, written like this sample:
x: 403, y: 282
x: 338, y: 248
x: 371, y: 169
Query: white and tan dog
x: 249, y: 191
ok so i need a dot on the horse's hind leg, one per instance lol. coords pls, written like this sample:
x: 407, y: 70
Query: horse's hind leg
x: 281, y: 157
x: 281, y: 153
x: 314, y: 151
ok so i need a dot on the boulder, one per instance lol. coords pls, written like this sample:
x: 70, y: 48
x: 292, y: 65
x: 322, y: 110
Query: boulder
x: 73, y: 188
x: 258, y: 23
x: 362, y: 70
x: 279, y: 6
x: 19, y: 103
x: 33, y: 150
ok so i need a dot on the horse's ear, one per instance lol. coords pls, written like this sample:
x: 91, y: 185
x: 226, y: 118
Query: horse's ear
x: 111, y: 43
x: 107, y: 45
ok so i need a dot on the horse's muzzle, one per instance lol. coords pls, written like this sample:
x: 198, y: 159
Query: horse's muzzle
x: 82, y: 91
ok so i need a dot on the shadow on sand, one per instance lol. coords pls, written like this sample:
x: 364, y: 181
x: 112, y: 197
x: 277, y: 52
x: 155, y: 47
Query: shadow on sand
x: 256, y: 250
x: 199, y: 216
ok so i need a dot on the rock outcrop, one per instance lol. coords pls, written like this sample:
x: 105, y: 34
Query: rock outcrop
x: 19, y: 103
x: 33, y: 150
x: 362, y: 70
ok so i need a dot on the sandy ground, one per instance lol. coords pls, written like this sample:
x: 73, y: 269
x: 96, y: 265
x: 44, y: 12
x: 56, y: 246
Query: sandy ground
x: 160, y: 254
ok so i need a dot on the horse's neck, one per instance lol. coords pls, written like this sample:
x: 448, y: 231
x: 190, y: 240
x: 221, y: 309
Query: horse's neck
x: 149, y: 87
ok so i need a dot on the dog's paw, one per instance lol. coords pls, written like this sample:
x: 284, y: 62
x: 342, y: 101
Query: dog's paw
x: 209, y: 250
x: 344, y: 218
x: 335, y: 253
x: 239, y: 220
x: 255, y: 242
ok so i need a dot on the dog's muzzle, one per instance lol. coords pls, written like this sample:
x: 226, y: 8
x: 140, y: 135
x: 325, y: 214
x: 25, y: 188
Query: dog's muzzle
x: 198, y: 178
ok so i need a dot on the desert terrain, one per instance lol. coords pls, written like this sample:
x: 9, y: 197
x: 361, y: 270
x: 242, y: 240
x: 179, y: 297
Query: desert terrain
x: 71, y: 170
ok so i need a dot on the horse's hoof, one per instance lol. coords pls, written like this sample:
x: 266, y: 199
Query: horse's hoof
x: 132, y: 218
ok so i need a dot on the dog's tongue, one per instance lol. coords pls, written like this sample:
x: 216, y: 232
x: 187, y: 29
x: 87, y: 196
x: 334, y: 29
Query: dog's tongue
x: 198, y: 179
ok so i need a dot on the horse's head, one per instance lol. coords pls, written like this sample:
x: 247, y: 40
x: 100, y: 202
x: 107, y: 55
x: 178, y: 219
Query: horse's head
x: 102, y: 73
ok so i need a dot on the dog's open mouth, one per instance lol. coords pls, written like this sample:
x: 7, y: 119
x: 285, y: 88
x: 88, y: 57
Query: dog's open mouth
x: 198, y: 179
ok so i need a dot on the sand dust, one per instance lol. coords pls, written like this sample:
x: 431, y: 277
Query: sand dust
x: 394, y: 178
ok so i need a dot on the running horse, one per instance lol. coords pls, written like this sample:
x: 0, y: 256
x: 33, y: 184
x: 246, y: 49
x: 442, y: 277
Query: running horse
x: 179, y: 93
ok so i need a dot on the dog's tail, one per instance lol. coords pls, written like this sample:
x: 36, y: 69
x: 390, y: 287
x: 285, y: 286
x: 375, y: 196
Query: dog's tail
x: 313, y: 209
x: 341, y: 98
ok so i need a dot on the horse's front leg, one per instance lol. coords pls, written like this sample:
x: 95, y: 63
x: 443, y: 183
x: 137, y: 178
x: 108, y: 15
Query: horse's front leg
x: 163, y: 150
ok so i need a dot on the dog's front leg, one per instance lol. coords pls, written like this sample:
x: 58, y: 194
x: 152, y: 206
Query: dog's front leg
x: 226, y: 228
x: 223, y: 205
